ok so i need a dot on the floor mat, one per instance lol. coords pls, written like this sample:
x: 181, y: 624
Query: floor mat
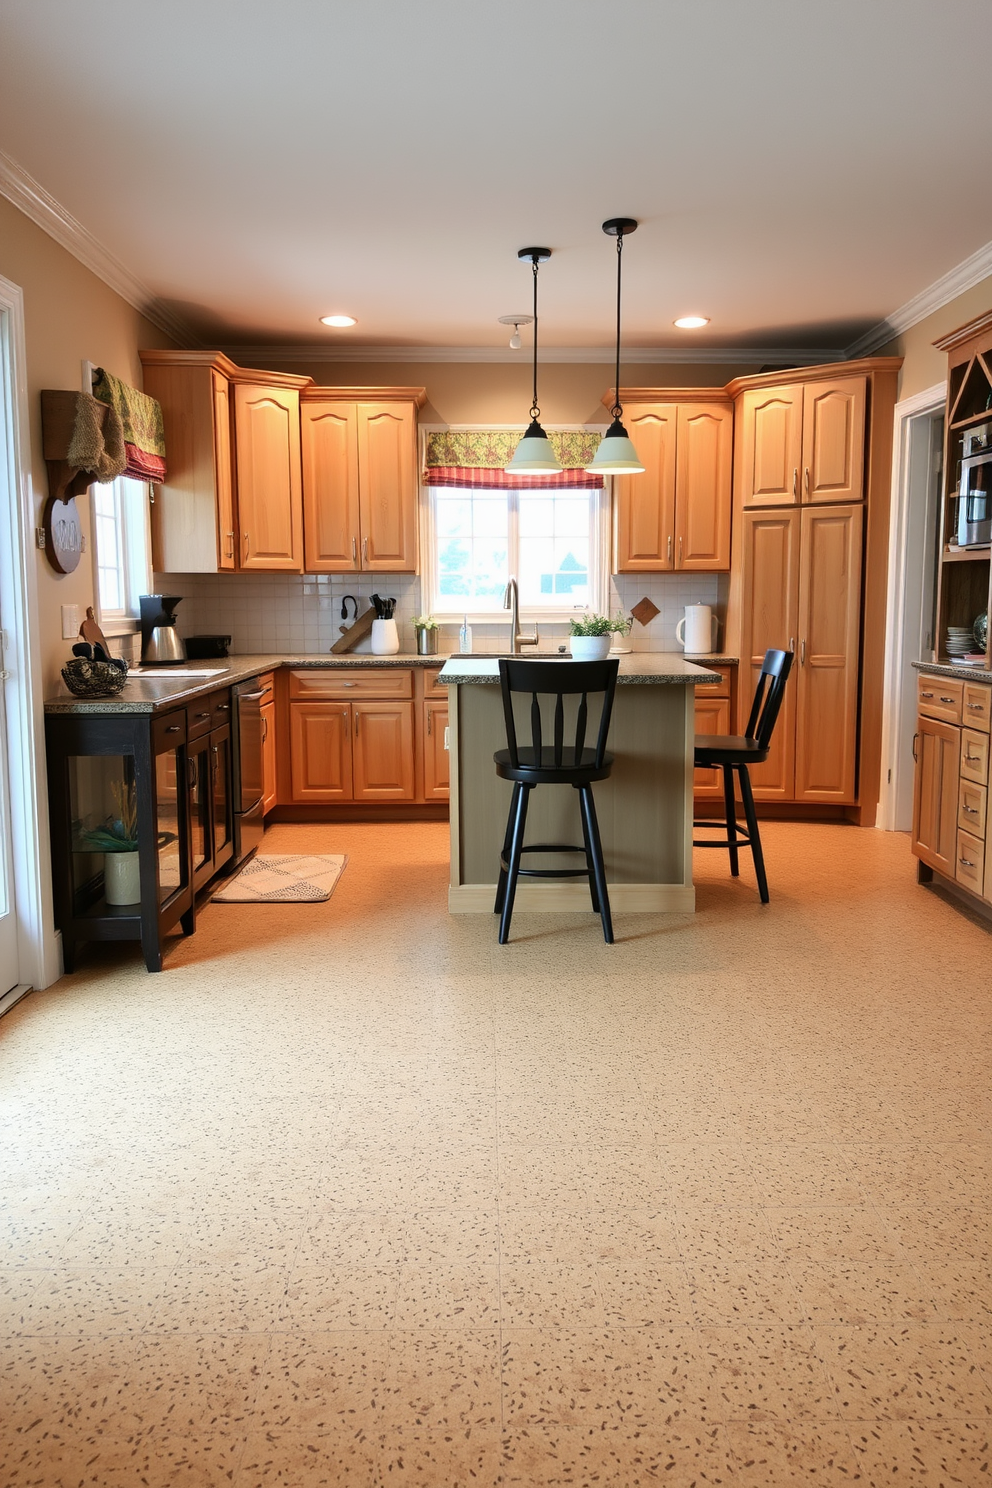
x: 283, y: 880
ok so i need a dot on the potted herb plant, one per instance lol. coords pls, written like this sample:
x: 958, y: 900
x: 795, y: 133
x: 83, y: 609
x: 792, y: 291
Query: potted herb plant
x: 117, y: 839
x: 592, y: 635
x: 427, y: 628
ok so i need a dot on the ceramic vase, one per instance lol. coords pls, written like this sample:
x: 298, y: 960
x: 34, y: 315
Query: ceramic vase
x: 590, y: 648
x: 121, y: 878
x: 385, y: 638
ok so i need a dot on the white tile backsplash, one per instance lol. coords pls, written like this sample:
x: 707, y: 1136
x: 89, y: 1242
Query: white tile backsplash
x: 302, y: 612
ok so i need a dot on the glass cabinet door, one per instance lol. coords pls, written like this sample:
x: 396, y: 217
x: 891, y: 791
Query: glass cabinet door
x: 200, y: 760
x: 170, y: 821
x: 220, y: 764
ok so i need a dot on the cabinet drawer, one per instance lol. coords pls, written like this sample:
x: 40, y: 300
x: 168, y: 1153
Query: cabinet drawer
x: 972, y: 806
x: 722, y: 689
x: 170, y: 729
x: 977, y: 710
x: 433, y: 688
x: 969, y: 868
x: 940, y: 697
x: 974, y: 756
x: 199, y: 716
x: 350, y: 683
x: 220, y: 712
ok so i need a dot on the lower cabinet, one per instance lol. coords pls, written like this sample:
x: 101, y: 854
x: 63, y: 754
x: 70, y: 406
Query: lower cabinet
x: 270, y: 789
x: 211, y: 817
x: 437, y: 775
x: 714, y: 709
x: 950, y: 805
x: 360, y: 751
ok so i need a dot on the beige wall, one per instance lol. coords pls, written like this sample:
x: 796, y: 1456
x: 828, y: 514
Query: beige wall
x: 69, y: 315
x: 500, y: 392
x: 923, y: 364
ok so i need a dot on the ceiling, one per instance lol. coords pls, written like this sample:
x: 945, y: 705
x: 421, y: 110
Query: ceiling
x: 799, y: 170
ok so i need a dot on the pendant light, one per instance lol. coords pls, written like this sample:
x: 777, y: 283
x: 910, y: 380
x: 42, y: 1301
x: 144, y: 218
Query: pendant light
x: 616, y: 454
x: 534, y: 454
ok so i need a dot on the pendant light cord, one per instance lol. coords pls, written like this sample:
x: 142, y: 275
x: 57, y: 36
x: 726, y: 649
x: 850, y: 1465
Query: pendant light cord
x: 535, y: 411
x: 617, y: 410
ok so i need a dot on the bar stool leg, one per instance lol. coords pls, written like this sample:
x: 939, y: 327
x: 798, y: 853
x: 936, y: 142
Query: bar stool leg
x: 589, y: 864
x: 752, y: 828
x: 504, y: 856
x: 588, y: 806
x: 516, y: 845
x: 731, y: 812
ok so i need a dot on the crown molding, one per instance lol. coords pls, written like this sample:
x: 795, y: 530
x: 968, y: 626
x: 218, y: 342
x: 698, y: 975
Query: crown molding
x: 35, y: 202
x: 788, y: 356
x: 963, y: 276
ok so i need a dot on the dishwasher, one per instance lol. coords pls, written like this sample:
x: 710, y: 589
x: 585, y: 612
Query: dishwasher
x: 249, y: 825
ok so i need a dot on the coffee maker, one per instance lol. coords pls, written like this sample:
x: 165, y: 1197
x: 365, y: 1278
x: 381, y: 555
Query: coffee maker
x: 161, y: 642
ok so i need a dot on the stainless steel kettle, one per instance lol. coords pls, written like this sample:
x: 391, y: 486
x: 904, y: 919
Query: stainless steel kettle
x: 160, y: 640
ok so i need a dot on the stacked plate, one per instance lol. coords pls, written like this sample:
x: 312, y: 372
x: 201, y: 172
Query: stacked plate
x: 959, y: 640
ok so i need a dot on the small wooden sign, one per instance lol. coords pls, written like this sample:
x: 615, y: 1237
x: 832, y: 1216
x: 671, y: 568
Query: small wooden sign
x: 63, y: 534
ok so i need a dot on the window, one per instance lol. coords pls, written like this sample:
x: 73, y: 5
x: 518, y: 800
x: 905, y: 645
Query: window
x: 120, y: 543
x: 550, y: 539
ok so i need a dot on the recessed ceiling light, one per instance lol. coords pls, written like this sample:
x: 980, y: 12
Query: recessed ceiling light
x: 692, y: 322
x: 338, y: 320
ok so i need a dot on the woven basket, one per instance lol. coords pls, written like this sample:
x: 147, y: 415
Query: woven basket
x: 93, y: 679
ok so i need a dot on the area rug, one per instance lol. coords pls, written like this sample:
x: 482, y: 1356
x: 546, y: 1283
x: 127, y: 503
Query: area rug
x: 294, y: 879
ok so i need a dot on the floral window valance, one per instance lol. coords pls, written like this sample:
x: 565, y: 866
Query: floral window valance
x: 479, y: 457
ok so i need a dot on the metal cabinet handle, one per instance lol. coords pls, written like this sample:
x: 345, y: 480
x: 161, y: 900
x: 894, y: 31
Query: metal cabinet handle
x: 669, y: 547
x: 245, y: 697
x: 795, y: 483
x: 967, y: 863
x: 354, y: 550
x: 971, y: 810
x: 357, y: 717
x: 230, y: 548
x: 349, y: 684
x: 975, y: 707
x: 429, y: 717
x: 926, y: 694
x: 265, y: 729
x: 174, y: 728
x: 806, y: 480
x: 223, y: 707
x: 202, y: 715
x: 916, y: 758
x: 247, y: 547
x: 973, y: 759
x: 944, y: 699
x: 802, y: 652
x: 792, y: 644
x: 365, y: 550
x: 680, y: 552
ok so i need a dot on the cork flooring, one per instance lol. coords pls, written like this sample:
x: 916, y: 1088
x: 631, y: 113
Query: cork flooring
x: 349, y: 1195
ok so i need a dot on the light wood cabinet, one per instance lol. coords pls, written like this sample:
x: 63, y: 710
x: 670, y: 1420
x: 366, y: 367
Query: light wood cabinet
x: 360, y: 751
x: 676, y: 515
x: 437, y: 777
x: 382, y: 751
x: 360, y: 480
x: 232, y: 494
x: 937, y: 748
x: 320, y: 751
x: 270, y: 792
x: 267, y: 451
x: 829, y: 637
x: 803, y: 443
x: 770, y: 620
x: 712, y: 716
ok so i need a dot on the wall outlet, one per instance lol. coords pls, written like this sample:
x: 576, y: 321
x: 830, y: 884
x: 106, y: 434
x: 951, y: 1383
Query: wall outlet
x: 72, y: 619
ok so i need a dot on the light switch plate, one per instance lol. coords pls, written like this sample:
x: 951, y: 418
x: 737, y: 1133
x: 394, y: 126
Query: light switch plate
x: 71, y: 621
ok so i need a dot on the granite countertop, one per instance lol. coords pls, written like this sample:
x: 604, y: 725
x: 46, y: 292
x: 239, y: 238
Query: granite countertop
x: 636, y: 667
x: 975, y: 673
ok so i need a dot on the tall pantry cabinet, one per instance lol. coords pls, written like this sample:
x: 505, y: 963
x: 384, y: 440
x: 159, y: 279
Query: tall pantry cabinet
x: 811, y: 496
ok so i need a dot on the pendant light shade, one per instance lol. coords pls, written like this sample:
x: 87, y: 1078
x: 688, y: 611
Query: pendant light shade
x: 616, y: 454
x: 534, y: 454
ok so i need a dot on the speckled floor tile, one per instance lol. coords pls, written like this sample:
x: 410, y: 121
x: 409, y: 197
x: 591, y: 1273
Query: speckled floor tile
x: 861, y: 1291
x: 730, y: 1292
x: 290, y: 1457
x: 318, y: 1301
x: 935, y: 1453
x: 833, y: 1233
x: 191, y: 1460
x: 550, y: 1294
x: 181, y: 1383
x: 322, y: 1382
x: 684, y: 1454
x: 444, y: 1294
x: 714, y: 1233
x: 704, y: 1173
x: 802, y: 1173
x: 940, y: 1233
x: 443, y: 1380
x: 458, y: 1457
x: 765, y: 1374
x: 771, y: 1455
x: 216, y: 1299
x: 644, y: 1296
x: 65, y: 1386
x: 581, y: 1178
x: 121, y: 1299
x: 913, y: 1371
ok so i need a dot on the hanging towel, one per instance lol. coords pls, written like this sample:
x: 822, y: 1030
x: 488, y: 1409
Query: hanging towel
x: 97, y: 442
x: 141, y: 417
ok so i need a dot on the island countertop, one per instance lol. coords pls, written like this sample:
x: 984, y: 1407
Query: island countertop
x: 639, y: 668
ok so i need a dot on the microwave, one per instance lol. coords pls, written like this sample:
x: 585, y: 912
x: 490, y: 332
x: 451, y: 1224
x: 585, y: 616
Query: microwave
x: 975, y: 491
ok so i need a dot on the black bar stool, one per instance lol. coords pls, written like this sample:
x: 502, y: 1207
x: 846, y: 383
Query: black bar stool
x: 735, y: 753
x: 557, y: 763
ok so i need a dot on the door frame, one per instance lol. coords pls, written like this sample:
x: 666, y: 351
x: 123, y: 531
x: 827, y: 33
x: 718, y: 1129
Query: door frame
x: 903, y: 602
x: 39, y: 958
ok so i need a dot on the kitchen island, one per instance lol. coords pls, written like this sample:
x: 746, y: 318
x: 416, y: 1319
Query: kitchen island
x: 644, y: 808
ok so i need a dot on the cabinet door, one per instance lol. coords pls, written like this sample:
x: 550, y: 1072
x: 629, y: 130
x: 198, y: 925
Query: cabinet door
x: 938, y: 746
x: 712, y: 717
x: 222, y: 795
x: 834, y: 440
x: 702, y: 486
x: 644, y: 505
x: 771, y: 445
x: 827, y: 683
x: 436, y: 771
x: 770, y: 609
x: 320, y: 751
x: 331, y: 522
x: 383, y: 751
x: 269, y: 787
x: 226, y: 518
x: 267, y: 432
x: 199, y: 809
x: 387, y: 486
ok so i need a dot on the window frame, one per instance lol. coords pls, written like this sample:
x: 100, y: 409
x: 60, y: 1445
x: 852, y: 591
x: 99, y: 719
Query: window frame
x: 132, y: 499
x: 600, y: 538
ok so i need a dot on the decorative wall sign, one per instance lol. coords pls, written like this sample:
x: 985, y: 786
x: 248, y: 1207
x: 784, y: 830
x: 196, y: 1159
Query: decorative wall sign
x: 63, y: 534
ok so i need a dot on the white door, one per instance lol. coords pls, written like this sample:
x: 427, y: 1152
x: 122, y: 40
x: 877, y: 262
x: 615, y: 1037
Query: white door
x: 8, y: 921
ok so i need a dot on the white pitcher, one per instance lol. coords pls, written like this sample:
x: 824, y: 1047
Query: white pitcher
x: 696, y: 632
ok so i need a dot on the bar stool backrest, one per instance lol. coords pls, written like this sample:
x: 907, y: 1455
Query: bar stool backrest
x: 768, y: 696
x: 558, y: 679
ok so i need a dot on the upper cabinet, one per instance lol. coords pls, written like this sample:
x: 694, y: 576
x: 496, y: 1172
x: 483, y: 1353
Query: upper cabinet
x: 676, y: 515
x: 233, y: 496
x: 803, y: 442
x: 360, y: 479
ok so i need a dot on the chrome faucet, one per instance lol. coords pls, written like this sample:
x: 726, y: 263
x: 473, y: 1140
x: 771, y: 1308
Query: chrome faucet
x: 511, y: 602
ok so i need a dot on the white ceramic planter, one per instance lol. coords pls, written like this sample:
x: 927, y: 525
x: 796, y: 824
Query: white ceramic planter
x: 385, y: 638
x: 121, y: 878
x: 590, y: 648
